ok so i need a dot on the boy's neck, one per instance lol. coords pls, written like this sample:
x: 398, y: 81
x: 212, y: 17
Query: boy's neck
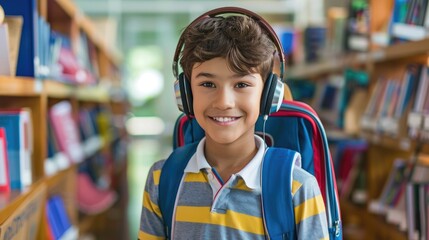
x: 228, y: 159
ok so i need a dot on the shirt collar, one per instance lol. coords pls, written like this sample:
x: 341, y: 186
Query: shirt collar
x: 250, y: 174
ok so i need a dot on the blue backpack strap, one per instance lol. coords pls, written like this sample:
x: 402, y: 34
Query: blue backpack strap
x: 277, y: 204
x: 169, y: 182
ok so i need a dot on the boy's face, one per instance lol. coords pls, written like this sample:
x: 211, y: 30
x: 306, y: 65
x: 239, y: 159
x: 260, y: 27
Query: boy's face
x: 226, y: 104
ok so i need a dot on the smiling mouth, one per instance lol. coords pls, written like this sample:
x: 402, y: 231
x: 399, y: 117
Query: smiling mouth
x: 224, y: 119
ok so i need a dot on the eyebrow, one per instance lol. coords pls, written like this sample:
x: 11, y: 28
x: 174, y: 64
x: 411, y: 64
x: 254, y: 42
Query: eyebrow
x: 211, y: 75
x: 205, y: 74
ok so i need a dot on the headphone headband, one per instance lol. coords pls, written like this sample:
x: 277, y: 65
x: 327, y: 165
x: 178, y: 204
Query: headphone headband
x: 235, y: 10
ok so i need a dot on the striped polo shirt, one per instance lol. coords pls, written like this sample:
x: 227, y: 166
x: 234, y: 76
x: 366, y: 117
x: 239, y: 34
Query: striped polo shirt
x: 208, y: 208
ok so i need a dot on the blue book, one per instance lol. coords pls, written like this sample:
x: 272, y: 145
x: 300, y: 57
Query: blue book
x: 52, y: 219
x: 61, y: 213
x: 28, y: 52
x: 17, y: 125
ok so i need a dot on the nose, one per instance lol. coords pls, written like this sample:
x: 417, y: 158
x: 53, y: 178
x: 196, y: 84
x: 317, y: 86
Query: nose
x: 224, y: 99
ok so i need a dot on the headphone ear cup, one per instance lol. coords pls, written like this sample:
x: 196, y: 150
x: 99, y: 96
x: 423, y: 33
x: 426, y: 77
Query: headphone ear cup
x: 272, y: 95
x: 184, y: 100
x: 265, y: 98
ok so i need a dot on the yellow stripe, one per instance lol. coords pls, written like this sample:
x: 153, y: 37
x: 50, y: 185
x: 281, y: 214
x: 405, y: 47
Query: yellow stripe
x: 195, y: 177
x: 156, y: 174
x: 311, y: 207
x: 325, y: 238
x: 295, y: 186
x: 231, y: 219
x: 146, y: 236
x: 149, y: 205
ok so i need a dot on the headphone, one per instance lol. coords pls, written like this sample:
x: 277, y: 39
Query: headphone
x: 272, y: 94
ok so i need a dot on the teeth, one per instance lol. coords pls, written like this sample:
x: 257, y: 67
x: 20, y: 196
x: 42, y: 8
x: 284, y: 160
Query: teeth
x: 224, y: 119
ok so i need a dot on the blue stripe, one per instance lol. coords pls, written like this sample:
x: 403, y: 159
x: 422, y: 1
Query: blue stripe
x: 218, y: 176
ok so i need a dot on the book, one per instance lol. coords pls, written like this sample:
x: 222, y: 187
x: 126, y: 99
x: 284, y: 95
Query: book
x: 355, y: 81
x: 4, y: 50
x: 4, y: 166
x: 1, y: 15
x: 48, y: 227
x: 391, y: 189
x: 92, y: 200
x: 19, y: 135
x: 66, y: 131
x: 28, y: 56
x: 15, y: 28
x: 61, y: 213
x: 53, y: 220
x: 357, y: 30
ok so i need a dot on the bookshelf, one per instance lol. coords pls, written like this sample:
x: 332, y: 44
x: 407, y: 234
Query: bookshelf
x: 40, y: 94
x: 379, y: 62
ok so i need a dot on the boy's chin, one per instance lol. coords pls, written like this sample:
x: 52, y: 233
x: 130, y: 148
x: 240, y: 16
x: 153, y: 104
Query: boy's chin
x: 225, y: 139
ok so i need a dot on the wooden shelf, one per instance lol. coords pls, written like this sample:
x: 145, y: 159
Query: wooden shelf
x: 10, y: 201
x: 403, y: 50
x: 28, y: 87
x: 23, y: 212
x: 19, y: 86
x: 68, y: 7
x: 86, y: 25
x: 337, y: 64
x: 93, y: 94
x: 56, y: 89
x: 379, y: 228
x: 384, y: 230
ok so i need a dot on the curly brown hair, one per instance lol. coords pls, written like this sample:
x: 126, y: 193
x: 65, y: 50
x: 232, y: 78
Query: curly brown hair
x: 239, y: 39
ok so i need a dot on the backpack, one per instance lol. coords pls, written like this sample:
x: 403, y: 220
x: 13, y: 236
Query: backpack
x: 295, y: 127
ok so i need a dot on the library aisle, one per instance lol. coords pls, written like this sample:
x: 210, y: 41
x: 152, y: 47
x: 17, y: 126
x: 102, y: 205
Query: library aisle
x: 87, y: 105
x: 142, y: 153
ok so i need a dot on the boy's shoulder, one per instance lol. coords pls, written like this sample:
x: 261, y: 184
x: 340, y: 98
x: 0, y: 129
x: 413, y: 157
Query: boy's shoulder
x: 303, y: 178
x: 157, y: 166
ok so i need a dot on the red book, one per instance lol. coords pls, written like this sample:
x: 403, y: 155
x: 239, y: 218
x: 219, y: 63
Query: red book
x: 92, y: 200
x: 4, y: 167
x: 66, y: 131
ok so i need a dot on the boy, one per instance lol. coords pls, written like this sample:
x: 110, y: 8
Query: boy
x: 226, y: 61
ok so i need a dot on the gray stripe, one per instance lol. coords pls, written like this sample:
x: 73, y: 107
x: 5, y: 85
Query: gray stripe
x: 199, y: 194
x: 151, y: 223
x: 313, y: 227
x: 196, y: 194
x: 150, y: 186
x: 309, y: 186
x: 245, y: 202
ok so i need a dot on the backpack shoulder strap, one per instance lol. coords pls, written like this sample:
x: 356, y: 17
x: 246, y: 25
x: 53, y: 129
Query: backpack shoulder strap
x: 169, y: 181
x: 277, y: 203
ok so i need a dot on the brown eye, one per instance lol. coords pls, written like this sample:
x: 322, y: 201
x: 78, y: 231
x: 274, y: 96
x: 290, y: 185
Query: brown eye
x: 207, y: 84
x: 242, y: 85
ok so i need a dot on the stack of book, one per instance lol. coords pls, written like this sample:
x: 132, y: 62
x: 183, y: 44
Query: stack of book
x: 410, y: 20
x: 389, y: 101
